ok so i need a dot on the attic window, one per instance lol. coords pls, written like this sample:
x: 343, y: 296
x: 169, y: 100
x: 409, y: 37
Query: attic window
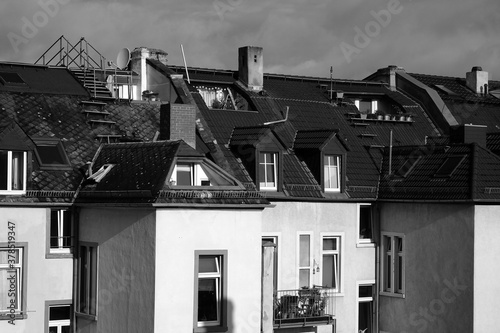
x: 50, y: 154
x: 198, y: 173
x: 11, y: 79
x: 449, y: 166
x: 101, y: 173
x: 407, y: 167
x: 445, y: 90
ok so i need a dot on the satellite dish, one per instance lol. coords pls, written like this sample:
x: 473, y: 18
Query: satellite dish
x: 123, y: 58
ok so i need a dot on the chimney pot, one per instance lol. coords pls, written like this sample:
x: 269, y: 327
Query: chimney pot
x: 477, y: 80
x: 251, y: 67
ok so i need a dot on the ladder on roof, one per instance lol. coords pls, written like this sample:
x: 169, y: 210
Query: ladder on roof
x: 88, y: 65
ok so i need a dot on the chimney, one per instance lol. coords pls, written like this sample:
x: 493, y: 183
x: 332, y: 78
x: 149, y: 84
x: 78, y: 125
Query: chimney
x: 251, y: 67
x: 138, y: 63
x: 388, y: 75
x: 468, y: 133
x: 178, y: 122
x: 477, y: 80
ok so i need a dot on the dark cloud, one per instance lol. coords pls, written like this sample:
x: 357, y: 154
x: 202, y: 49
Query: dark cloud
x: 444, y: 37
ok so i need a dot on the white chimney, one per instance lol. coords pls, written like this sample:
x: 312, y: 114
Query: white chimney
x: 477, y: 80
x: 138, y: 63
x: 251, y: 67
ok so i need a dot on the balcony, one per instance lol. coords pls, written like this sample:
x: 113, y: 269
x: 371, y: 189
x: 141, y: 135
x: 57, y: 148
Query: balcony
x: 304, y: 307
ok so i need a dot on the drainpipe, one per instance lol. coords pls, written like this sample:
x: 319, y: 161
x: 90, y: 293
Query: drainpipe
x: 390, y: 153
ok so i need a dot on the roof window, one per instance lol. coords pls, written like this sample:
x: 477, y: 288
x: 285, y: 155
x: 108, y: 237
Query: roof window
x: 407, y: 166
x: 445, y: 90
x: 50, y: 154
x: 101, y: 173
x: 7, y: 78
x: 198, y: 173
x: 449, y: 166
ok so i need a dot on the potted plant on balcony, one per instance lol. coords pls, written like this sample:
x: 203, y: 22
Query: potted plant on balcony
x: 409, y: 117
x: 380, y: 114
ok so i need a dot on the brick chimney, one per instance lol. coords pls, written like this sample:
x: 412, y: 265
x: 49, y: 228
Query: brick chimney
x: 251, y: 67
x: 178, y: 122
x: 477, y: 80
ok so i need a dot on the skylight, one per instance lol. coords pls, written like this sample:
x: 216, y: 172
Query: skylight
x: 101, y: 173
x: 407, y: 166
x: 445, y: 90
x: 11, y: 79
x: 51, y: 154
x: 449, y: 166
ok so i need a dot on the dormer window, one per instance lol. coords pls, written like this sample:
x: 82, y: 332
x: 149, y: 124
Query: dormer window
x: 366, y: 106
x: 13, y: 172
x: 268, y: 171
x: 189, y: 174
x: 332, y: 173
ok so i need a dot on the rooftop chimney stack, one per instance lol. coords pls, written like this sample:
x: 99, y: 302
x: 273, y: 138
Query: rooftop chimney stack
x: 138, y: 63
x: 251, y: 67
x: 477, y: 80
x: 178, y: 122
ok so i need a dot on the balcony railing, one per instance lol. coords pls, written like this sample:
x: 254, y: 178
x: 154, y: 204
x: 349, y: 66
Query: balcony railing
x: 304, y: 307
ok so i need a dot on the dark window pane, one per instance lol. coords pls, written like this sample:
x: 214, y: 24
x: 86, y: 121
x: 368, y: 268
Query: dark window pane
x: 207, y: 299
x: 50, y: 155
x: 184, y: 176
x: 304, y: 278
x: 305, y: 251
x: 52, y: 329
x: 365, y: 317
x: 365, y: 291
x: 17, y: 170
x: 329, y: 244
x: 365, y: 222
x: 66, y: 228
x: 59, y: 312
x: 3, y: 170
x: 328, y: 271
x: 65, y: 329
x: 54, y: 233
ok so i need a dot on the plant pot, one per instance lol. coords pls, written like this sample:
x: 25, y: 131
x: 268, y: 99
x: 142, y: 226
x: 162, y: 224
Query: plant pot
x: 402, y: 118
x: 363, y: 115
x: 387, y: 117
x: 380, y: 117
x: 409, y: 118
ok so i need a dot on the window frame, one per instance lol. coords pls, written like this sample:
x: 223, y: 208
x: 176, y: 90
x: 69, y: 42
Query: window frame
x: 22, y: 283
x: 52, y: 142
x: 371, y: 299
x: 221, y: 325
x: 311, y: 258
x: 53, y: 303
x: 262, y: 153
x: 364, y: 242
x: 339, y: 168
x: 340, y: 262
x: 276, y: 236
x: 9, y: 190
x: 51, y: 252
x: 92, y: 277
x: 392, y: 290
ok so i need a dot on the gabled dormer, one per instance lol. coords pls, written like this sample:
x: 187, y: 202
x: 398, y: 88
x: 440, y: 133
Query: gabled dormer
x: 15, y: 158
x: 261, y: 152
x: 325, y: 155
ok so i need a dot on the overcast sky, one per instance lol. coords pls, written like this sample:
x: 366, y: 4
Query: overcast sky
x: 300, y: 37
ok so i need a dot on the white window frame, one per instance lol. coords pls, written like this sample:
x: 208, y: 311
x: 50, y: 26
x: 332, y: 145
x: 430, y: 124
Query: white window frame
x: 374, y: 106
x: 363, y: 242
x: 311, y: 259
x: 392, y: 290
x: 330, y: 167
x: 356, y: 103
x: 60, y: 249
x: 9, y: 189
x: 18, y: 267
x: 263, y: 186
x: 197, y: 174
x: 340, y: 262
x: 59, y: 324
x: 364, y: 299
x: 277, y: 237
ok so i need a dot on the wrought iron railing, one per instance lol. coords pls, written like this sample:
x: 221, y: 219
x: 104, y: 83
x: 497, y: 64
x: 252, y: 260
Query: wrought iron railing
x: 304, y: 307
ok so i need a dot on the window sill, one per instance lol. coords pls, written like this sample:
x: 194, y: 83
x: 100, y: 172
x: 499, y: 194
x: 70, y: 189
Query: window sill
x: 86, y: 316
x: 389, y: 294
x: 210, y: 329
x: 5, y: 192
x: 17, y: 316
x: 365, y: 244
x: 60, y: 255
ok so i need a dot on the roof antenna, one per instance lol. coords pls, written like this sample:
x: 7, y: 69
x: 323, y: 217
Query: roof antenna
x: 331, y: 84
x: 279, y: 121
x: 185, y: 65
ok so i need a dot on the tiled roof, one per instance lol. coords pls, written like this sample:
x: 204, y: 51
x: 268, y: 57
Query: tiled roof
x: 312, y: 139
x: 476, y: 177
x: 493, y: 142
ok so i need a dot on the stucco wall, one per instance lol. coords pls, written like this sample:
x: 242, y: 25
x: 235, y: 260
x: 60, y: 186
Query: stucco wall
x: 358, y: 263
x: 126, y: 239
x: 438, y: 269
x: 47, y: 279
x: 486, y: 268
x: 179, y: 234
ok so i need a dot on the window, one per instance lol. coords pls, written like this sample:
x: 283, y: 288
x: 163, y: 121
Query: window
x: 449, y: 166
x: 331, y: 262
x: 51, y: 155
x: 366, y: 106
x: 59, y: 318
x: 273, y: 240
x: 8, y: 78
x: 60, y: 231
x: 13, y: 171
x: 365, y: 307
x: 210, y: 291
x: 101, y: 173
x: 199, y: 173
x: 392, y: 264
x: 365, y: 224
x: 332, y: 173
x: 268, y: 171
x: 305, y: 260
x: 87, y: 279
x: 11, y: 282
x: 408, y: 166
